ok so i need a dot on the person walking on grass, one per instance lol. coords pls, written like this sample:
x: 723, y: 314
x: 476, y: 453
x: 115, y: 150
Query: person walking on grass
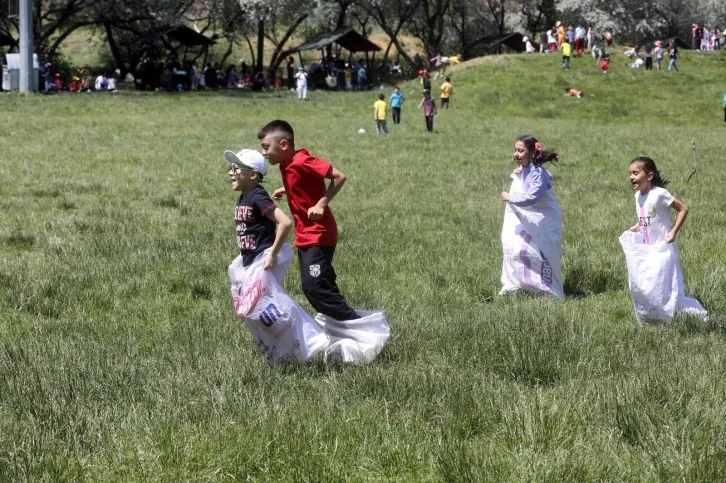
x: 658, y: 54
x: 379, y: 115
x: 673, y: 54
x: 302, y: 83
x: 316, y: 233
x: 256, y: 215
x: 580, y: 34
x: 566, y: 53
x: 397, y: 99
x: 446, y: 91
x: 429, y: 107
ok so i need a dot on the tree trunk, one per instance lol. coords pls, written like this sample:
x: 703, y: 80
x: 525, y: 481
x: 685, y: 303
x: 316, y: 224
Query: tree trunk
x: 228, y: 52
x: 114, y: 50
x: 278, y: 56
x: 260, y: 43
x: 252, y: 50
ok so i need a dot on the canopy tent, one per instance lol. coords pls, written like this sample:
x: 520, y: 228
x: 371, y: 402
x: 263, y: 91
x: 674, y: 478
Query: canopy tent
x: 348, y: 39
x: 182, y: 34
x: 514, y: 41
x: 172, y: 37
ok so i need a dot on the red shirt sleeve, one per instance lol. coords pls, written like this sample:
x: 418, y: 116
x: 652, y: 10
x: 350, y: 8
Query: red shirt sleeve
x: 318, y: 167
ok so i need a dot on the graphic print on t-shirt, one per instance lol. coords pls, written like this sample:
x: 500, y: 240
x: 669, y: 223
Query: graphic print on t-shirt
x: 255, y: 231
x: 653, y: 210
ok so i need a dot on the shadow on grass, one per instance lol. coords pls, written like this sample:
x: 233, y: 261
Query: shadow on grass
x: 20, y: 241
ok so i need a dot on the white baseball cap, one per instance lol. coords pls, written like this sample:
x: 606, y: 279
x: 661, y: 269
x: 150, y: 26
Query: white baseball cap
x: 249, y: 158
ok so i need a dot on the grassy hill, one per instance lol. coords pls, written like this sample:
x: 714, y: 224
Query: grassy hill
x: 121, y: 358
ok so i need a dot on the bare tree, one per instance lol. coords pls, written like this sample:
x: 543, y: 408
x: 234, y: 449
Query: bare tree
x: 392, y: 16
x: 428, y: 25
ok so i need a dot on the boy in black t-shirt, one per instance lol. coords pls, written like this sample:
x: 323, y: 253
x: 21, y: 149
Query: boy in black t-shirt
x: 256, y: 214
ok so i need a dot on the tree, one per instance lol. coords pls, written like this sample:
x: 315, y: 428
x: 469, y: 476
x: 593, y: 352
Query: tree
x: 469, y: 21
x: 392, y: 16
x: 428, y: 25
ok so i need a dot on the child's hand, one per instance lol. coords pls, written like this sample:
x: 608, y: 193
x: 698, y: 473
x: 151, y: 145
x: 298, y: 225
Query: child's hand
x: 505, y: 196
x: 278, y: 193
x: 670, y: 237
x: 634, y: 228
x: 517, y: 170
x: 270, y: 261
x: 315, y: 213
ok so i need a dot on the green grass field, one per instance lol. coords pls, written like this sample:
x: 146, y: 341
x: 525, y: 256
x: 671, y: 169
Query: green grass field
x: 121, y: 358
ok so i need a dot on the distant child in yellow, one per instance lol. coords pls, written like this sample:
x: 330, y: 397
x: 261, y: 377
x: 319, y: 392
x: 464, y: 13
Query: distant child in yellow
x: 446, y: 90
x: 379, y: 115
x: 566, y: 53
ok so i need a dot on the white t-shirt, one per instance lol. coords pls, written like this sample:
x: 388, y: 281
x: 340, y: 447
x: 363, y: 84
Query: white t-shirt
x: 302, y: 79
x: 654, y: 214
x: 111, y: 84
x: 551, y: 38
x: 99, y: 82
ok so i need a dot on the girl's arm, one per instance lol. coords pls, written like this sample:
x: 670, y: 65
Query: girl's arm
x: 680, y: 218
x: 537, y: 187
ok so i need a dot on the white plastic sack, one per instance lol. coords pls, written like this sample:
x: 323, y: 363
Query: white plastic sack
x: 355, y: 341
x: 532, y: 244
x: 656, y: 281
x: 281, y: 329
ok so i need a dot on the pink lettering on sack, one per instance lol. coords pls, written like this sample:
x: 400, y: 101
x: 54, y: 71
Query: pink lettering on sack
x: 244, y: 304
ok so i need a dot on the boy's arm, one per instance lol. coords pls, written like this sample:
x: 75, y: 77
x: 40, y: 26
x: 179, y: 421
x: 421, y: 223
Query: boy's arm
x: 278, y: 193
x: 337, y: 179
x: 283, y: 230
x: 682, y: 214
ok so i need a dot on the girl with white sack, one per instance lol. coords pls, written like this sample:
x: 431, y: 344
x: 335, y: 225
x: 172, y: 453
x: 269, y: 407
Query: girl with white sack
x: 532, y: 230
x: 654, y: 272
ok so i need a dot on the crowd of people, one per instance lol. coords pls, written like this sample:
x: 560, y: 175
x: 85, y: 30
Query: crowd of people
x: 576, y: 41
x: 82, y: 81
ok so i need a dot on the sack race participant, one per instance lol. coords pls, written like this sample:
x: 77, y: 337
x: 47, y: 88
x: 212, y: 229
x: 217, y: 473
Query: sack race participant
x: 355, y: 341
x: 316, y: 236
x: 532, y: 229
x: 655, y: 278
x: 282, y: 331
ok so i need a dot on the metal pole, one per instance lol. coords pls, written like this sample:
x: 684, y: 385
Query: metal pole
x: 26, y: 46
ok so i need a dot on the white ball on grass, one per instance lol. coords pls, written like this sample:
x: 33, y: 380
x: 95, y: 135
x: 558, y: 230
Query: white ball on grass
x: 361, y: 131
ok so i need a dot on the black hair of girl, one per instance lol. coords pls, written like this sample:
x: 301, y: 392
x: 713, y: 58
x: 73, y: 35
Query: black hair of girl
x: 648, y: 165
x: 543, y: 155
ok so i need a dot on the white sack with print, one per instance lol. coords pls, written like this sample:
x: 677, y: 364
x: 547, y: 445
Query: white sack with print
x: 532, y: 244
x: 656, y: 281
x: 355, y: 341
x: 281, y: 329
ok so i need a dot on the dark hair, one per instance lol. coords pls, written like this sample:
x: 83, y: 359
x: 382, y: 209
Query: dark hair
x: 648, y: 165
x: 448, y: 79
x: 380, y: 96
x: 282, y: 129
x: 543, y: 155
x: 396, y: 87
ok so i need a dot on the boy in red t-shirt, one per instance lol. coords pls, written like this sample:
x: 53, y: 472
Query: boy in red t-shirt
x: 316, y: 233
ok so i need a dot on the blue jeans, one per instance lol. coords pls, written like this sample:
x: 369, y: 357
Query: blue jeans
x: 672, y: 65
x: 381, y: 126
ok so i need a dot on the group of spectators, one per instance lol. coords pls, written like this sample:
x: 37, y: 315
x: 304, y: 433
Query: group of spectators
x: 706, y: 37
x: 84, y: 81
x: 172, y: 76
